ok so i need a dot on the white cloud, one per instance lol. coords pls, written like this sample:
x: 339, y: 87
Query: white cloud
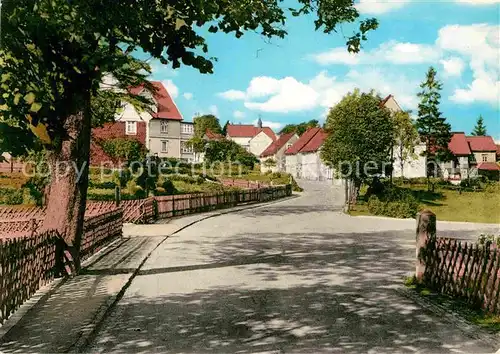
x: 232, y: 95
x: 379, y: 6
x: 390, y: 52
x: 453, y: 66
x: 266, y: 123
x: 160, y: 70
x: 479, y: 2
x: 282, y: 95
x: 214, y: 110
x: 480, y: 44
x: 171, y: 88
x: 238, y: 114
x: 268, y: 94
x: 188, y: 96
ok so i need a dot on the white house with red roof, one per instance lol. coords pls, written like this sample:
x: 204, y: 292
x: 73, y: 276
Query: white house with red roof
x: 473, y: 155
x: 274, y: 154
x: 166, y: 131
x: 303, y: 160
x: 243, y: 134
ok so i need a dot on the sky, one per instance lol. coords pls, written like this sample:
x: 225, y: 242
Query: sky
x: 300, y: 77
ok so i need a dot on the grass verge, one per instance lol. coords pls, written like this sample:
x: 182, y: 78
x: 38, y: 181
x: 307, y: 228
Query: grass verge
x: 476, y: 316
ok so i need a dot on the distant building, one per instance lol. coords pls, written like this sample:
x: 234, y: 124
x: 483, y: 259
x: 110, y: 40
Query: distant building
x: 166, y: 132
x: 273, y: 157
x: 303, y: 160
x: 242, y: 134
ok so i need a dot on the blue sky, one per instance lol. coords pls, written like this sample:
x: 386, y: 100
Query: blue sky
x: 300, y: 77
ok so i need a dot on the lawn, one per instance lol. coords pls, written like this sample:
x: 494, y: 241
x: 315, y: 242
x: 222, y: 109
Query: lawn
x: 450, y: 205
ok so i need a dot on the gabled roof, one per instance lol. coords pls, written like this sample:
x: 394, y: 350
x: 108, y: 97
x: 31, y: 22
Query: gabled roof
x: 302, y: 142
x: 213, y: 136
x: 315, y: 143
x: 166, y: 107
x: 482, y: 143
x: 384, y: 101
x: 458, y: 144
x: 488, y: 166
x: 277, y: 144
x: 248, y: 131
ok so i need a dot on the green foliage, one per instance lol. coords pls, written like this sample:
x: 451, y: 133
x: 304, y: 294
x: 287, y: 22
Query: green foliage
x: 227, y: 150
x: 359, y: 132
x: 405, y: 137
x: 480, y: 128
x: 124, y: 148
x: 11, y: 196
x: 405, y: 208
x: 224, y: 128
x: 488, y: 239
x: 431, y: 125
x: 202, y: 123
x: 299, y: 128
x: 36, y: 186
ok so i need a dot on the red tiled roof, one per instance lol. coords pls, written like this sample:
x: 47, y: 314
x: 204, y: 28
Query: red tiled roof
x: 277, y: 144
x: 165, y: 104
x: 458, y: 144
x: 248, y: 131
x: 315, y: 143
x: 213, y: 136
x: 303, y: 140
x: 481, y: 143
x: 498, y: 149
x: 488, y: 166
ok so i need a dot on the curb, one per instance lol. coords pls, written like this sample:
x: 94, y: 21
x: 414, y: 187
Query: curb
x: 90, y: 330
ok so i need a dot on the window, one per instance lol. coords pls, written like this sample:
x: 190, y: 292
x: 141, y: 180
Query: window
x: 289, y: 145
x: 164, y: 127
x: 187, y: 129
x: 131, y: 128
x: 164, y: 146
x: 186, y: 148
x: 485, y: 157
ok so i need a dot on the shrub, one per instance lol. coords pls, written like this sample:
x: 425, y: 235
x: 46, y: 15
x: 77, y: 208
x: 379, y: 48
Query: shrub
x: 406, y: 207
x: 168, y: 187
x: 14, y: 197
x: 103, y: 185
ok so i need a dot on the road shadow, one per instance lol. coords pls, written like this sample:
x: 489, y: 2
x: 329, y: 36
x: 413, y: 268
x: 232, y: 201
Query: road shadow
x: 290, y: 293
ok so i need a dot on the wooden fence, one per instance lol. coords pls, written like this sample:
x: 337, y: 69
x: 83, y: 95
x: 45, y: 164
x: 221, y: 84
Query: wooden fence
x: 26, y: 264
x: 465, y: 270
x: 29, y: 262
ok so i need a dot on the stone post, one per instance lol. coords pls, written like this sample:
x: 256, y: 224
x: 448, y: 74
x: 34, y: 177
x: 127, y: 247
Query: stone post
x: 426, y: 230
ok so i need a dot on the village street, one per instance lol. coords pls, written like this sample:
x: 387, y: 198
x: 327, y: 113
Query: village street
x: 293, y: 277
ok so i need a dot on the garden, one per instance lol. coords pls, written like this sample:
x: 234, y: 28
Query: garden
x: 474, y: 200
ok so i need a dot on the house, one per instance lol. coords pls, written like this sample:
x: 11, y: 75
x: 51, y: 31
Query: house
x: 414, y: 166
x: 472, y: 155
x: 498, y: 152
x: 303, y: 160
x: 166, y: 131
x: 242, y: 134
x: 112, y: 130
x: 274, y: 154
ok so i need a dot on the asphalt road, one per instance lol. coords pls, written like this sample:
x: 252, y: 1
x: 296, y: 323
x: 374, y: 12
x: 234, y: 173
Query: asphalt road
x: 292, y: 277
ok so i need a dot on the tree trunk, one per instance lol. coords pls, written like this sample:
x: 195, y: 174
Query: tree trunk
x: 67, y: 193
x: 346, y: 186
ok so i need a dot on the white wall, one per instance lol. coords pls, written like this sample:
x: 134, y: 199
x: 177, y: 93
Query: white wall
x: 291, y: 165
x: 245, y: 142
x: 413, y: 167
x: 259, y: 143
x: 313, y: 168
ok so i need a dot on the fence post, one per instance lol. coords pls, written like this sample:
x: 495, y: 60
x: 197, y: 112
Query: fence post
x: 426, y: 231
x: 117, y: 196
x: 173, y: 205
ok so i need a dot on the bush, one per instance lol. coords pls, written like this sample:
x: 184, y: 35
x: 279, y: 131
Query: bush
x: 168, y: 187
x: 103, y: 185
x: 405, y: 207
x: 11, y: 196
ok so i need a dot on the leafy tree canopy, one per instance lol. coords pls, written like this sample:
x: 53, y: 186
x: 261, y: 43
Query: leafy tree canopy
x: 227, y: 150
x: 204, y: 122
x: 359, y: 132
x: 123, y: 148
x: 480, y: 128
x: 431, y: 125
x: 299, y: 128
